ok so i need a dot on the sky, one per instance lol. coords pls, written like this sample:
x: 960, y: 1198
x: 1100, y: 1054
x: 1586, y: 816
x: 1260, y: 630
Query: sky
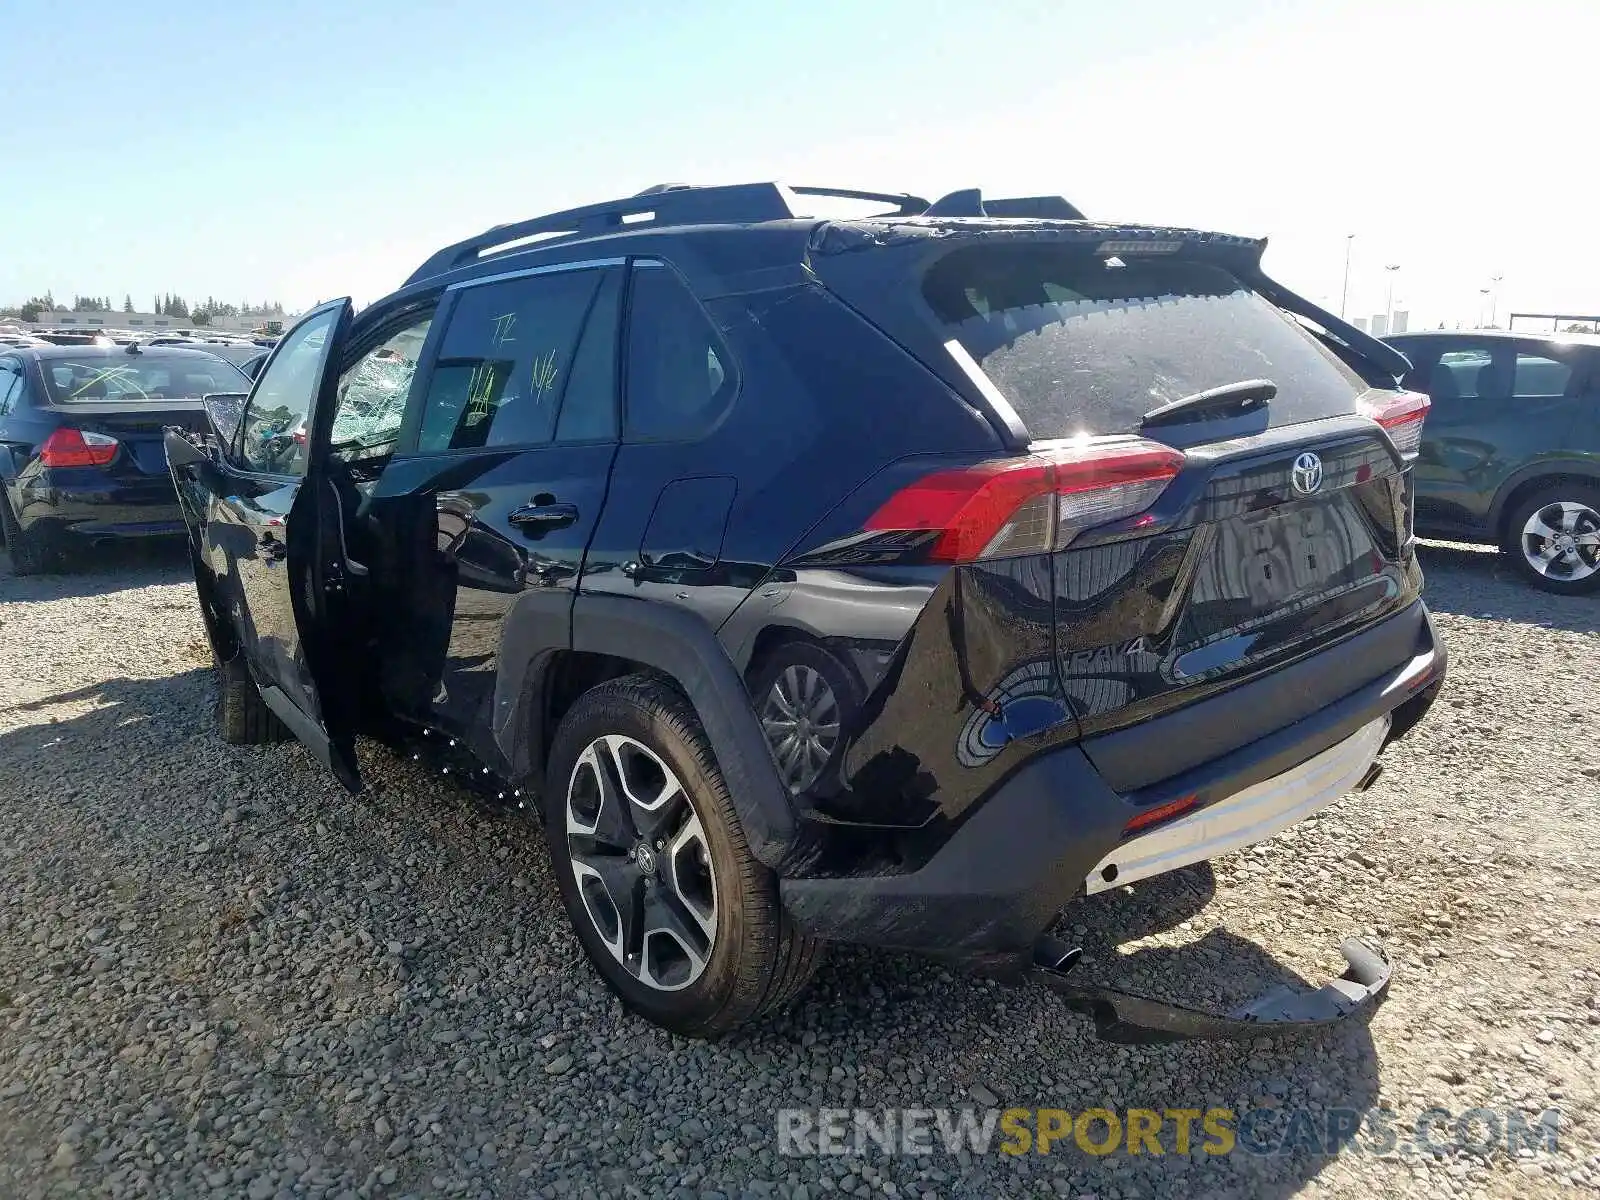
x: 304, y: 149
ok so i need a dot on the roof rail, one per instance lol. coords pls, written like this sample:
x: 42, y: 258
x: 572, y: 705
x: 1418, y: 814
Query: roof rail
x: 666, y: 204
x: 969, y: 202
x: 739, y: 203
x: 1041, y: 208
x: 906, y: 205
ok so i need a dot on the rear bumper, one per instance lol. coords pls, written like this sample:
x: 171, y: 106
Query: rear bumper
x: 136, y: 508
x: 985, y: 897
x: 1248, y: 816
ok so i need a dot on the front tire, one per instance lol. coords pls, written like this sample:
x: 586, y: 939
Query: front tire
x: 243, y: 717
x: 679, y: 918
x: 1553, y: 538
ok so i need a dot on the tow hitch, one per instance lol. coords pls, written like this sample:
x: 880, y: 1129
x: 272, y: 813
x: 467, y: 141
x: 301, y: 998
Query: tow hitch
x: 1131, y: 1019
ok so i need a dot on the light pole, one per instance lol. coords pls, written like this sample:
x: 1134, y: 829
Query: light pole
x: 1494, y: 298
x: 1388, y: 304
x: 1344, y: 296
x: 1484, y: 292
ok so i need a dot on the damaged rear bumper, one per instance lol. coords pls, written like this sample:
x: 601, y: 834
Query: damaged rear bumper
x: 1056, y: 828
x: 1133, y: 1019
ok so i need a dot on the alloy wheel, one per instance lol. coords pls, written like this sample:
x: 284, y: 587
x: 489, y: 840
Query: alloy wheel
x: 641, y: 862
x: 801, y: 720
x: 1561, y: 541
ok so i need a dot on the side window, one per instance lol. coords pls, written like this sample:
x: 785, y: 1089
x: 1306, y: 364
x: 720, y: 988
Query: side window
x: 506, y: 361
x: 1424, y: 356
x: 372, y: 394
x: 272, y: 438
x: 1468, y: 372
x: 10, y: 388
x: 1537, y: 376
x: 680, y: 380
x: 589, y: 406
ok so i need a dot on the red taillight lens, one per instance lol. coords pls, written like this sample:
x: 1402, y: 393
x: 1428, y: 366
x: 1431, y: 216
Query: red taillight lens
x: 1032, y: 504
x: 77, y: 448
x: 1402, y: 414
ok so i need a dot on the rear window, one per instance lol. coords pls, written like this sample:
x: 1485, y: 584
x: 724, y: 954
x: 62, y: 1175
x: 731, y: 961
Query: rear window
x: 1081, y: 342
x: 147, y: 376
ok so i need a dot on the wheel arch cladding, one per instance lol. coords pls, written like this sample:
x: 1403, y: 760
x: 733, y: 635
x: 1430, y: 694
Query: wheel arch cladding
x: 682, y: 648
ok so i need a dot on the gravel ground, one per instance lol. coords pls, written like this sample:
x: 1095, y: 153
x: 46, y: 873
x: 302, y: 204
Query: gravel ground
x: 221, y: 975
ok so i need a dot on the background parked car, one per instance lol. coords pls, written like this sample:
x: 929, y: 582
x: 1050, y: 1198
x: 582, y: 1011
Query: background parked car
x: 1511, y: 448
x: 242, y: 353
x: 80, y: 443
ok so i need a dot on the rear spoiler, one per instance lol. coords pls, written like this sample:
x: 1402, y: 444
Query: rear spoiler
x: 1379, y: 353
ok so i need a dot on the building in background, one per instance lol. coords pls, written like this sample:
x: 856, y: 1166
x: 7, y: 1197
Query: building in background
x: 1397, y: 323
x: 1379, y: 326
x: 1360, y: 323
x: 139, y: 321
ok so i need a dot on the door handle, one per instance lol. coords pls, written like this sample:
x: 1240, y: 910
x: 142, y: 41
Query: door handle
x: 543, y: 516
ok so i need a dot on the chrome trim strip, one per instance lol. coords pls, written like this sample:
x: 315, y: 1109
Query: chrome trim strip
x: 970, y: 368
x: 587, y: 264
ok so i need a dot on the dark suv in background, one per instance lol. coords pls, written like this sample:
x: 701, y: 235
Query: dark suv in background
x: 1511, y: 448
x: 891, y: 580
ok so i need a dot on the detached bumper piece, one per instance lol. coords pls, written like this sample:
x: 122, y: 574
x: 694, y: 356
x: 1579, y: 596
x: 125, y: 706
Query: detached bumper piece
x: 1132, y: 1019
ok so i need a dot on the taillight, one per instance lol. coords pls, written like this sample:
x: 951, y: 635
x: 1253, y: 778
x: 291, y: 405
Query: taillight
x: 77, y: 448
x: 1032, y: 504
x: 1402, y: 414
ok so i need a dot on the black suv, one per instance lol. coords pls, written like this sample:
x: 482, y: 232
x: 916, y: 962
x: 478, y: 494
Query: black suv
x: 891, y: 580
x: 1511, y: 448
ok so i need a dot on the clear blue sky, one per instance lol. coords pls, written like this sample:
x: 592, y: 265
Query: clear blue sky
x: 298, y: 150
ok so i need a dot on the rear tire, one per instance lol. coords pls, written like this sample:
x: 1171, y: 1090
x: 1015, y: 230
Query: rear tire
x: 242, y: 715
x: 1553, y: 539
x: 689, y: 868
x: 32, y: 553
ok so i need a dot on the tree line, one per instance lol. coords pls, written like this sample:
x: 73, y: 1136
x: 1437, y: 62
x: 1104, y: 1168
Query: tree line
x: 165, y: 304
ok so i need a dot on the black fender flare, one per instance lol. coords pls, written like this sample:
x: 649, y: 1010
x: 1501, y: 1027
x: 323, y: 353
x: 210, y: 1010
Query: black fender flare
x: 667, y: 639
x: 1588, y: 468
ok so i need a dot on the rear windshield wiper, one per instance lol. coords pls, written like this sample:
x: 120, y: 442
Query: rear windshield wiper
x: 1229, y: 400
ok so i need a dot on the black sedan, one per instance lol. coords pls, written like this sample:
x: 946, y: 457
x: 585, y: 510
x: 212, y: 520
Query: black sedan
x: 81, y: 459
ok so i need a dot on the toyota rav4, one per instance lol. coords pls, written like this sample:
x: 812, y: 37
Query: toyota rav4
x: 890, y: 580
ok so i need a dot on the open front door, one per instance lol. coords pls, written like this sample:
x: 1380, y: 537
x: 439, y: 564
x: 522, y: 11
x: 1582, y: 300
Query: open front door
x: 273, y: 536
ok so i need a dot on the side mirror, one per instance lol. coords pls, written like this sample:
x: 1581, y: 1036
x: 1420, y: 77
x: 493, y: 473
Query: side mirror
x: 226, y: 410
x: 181, y: 452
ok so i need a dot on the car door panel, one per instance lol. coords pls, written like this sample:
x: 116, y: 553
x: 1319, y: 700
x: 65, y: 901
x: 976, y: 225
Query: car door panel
x: 466, y: 573
x: 469, y: 529
x: 267, y: 522
x: 1483, y: 425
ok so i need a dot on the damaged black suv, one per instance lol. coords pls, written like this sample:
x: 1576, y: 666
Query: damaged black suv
x: 890, y: 580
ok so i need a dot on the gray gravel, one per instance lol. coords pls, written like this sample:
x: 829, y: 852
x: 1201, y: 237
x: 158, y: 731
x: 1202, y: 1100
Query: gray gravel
x: 220, y: 975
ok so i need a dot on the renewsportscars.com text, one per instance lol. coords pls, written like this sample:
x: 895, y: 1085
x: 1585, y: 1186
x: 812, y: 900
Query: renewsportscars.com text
x: 1149, y: 1131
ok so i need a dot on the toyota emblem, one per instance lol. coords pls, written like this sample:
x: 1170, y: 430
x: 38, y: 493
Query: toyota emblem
x: 1307, y: 476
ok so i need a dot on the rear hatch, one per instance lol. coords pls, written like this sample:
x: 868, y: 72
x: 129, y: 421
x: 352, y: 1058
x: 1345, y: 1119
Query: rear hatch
x: 1224, y: 501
